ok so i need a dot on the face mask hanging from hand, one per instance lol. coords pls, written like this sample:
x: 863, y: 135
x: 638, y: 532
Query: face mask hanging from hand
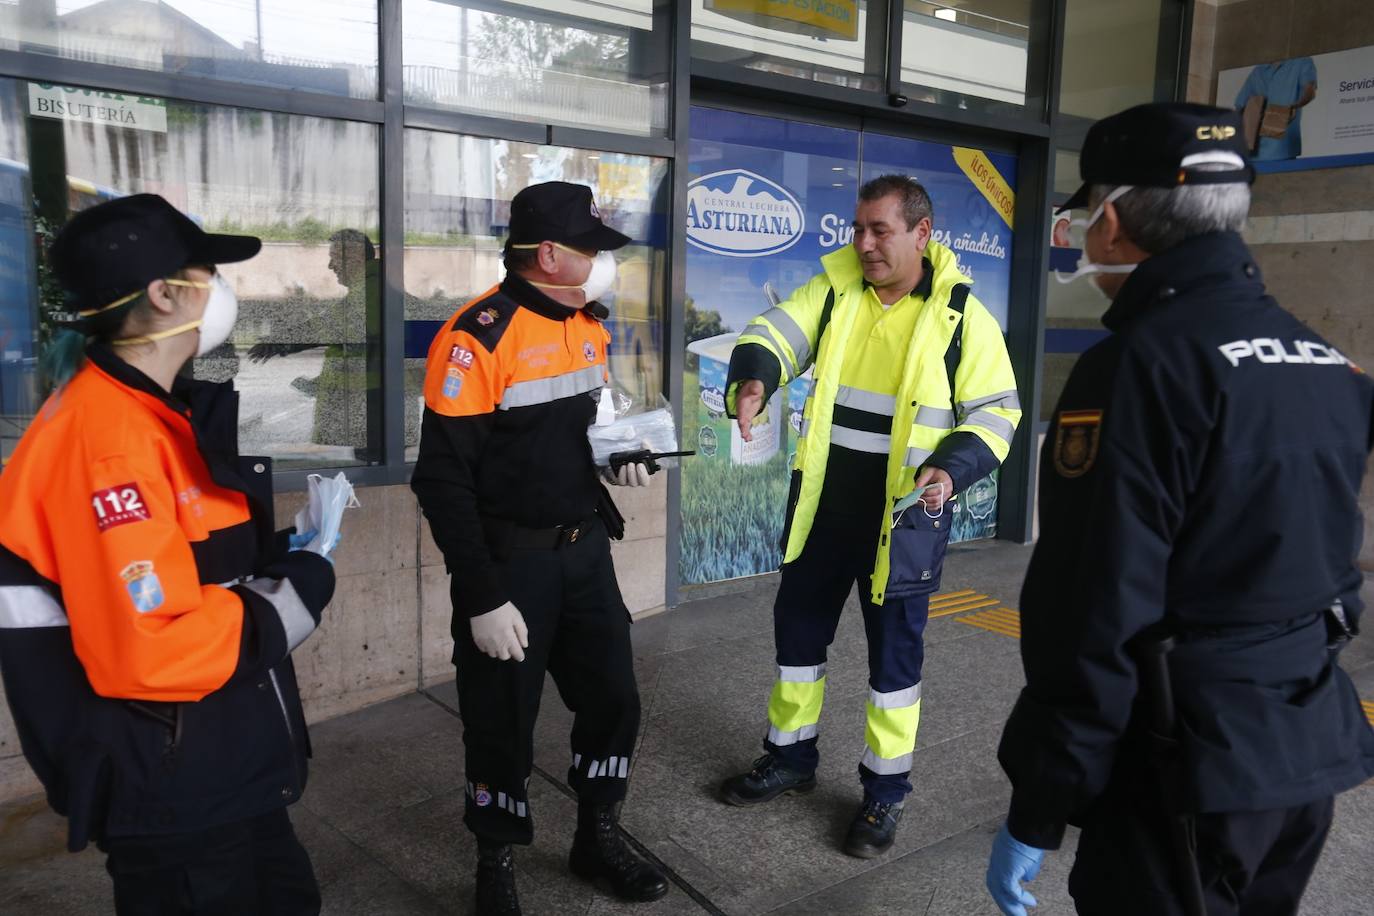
x: 1079, y: 233
x: 598, y: 282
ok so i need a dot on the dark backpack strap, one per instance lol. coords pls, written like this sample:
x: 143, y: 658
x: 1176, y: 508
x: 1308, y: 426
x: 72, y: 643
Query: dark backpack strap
x: 825, y: 316
x: 957, y: 298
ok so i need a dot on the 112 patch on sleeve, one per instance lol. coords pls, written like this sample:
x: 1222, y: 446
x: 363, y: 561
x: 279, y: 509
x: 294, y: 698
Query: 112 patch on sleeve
x: 119, y: 505
x: 1075, y: 441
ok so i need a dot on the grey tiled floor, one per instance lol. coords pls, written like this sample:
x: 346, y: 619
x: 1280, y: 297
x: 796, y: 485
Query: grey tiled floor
x: 381, y: 817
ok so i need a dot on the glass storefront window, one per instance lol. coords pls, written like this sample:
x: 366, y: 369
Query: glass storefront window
x: 1073, y: 311
x: 582, y: 63
x: 822, y: 42
x: 957, y: 48
x: 1066, y: 179
x: 458, y: 193
x: 19, y: 395
x: 251, y: 41
x: 305, y: 354
x: 1111, y: 54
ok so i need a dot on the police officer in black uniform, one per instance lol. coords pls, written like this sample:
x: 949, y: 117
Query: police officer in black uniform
x: 1198, y: 490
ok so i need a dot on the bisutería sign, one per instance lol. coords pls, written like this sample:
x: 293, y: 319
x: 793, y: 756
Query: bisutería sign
x: 93, y: 106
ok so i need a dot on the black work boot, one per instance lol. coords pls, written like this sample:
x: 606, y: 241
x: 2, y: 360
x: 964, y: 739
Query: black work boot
x: 873, y: 829
x: 766, y: 781
x: 601, y: 855
x: 496, y: 881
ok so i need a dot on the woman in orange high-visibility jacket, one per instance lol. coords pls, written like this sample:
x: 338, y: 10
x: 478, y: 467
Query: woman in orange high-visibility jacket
x: 147, y: 608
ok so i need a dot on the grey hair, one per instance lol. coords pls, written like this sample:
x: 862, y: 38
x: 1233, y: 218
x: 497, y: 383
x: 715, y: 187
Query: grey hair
x: 916, y: 204
x: 1157, y: 219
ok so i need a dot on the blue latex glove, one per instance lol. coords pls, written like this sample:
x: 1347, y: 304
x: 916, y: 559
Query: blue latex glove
x: 1011, y: 863
x: 298, y: 541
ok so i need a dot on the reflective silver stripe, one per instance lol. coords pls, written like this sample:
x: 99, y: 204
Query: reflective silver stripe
x: 859, y: 441
x: 1003, y: 428
x: 915, y: 457
x: 763, y: 331
x: 857, y: 398
x: 554, y: 388
x: 615, y: 767
x: 27, y: 607
x: 805, y: 427
x: 801, y: 674
x: 503, y: 801
x: 792, y: 333
x: 1007, y: 399
x: 782, y: 739
x: 281, y: 594
x: 934, y: 416
x: 897, y: 699
x: 884, y: 766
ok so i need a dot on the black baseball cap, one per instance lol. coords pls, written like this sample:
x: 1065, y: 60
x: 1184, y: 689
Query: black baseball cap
x: 116, y: 248
x: 1161, y: 145
x: 559, y: 211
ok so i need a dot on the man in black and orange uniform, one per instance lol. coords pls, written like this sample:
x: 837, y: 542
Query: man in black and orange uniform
x: 505, y: 477
x: 147, y: 608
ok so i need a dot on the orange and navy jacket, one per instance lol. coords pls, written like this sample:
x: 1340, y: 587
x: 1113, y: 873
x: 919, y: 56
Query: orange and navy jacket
x: 511, y: 385
x: 148, y: 610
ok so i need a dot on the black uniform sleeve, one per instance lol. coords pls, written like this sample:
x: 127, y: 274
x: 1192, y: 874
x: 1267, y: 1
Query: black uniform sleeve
x: 1098, y: 579
x: 273, y: 624
x: 965, y: 458
x: 445, y: 483
x: 752, y: 361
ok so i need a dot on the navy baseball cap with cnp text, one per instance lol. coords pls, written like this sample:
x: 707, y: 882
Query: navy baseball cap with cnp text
x: 1163, y: 145
x: 118, y: 247
x: 559, y: 211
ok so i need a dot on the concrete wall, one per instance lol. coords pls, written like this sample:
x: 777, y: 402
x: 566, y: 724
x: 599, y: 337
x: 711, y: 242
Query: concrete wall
x: 386, y: 632
x: 1313, y: 231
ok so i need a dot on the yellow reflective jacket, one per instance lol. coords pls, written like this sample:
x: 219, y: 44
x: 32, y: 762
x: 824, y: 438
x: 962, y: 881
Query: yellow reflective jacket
x: 985, y: 403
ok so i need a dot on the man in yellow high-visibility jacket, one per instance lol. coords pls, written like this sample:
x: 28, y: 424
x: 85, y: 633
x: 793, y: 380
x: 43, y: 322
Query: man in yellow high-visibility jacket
x: 913, y: 389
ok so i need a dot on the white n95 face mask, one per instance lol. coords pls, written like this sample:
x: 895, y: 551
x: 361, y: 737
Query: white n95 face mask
x: 1078, y: 234
x: 602, y: 277
x: 598, y: 282
x: 221, y: 311
x: 215, y: 324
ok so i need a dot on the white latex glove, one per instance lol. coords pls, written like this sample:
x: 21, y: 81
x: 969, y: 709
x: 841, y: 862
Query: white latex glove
x: 635, y: 474
x: 629, y: 475
x: 501, y: 633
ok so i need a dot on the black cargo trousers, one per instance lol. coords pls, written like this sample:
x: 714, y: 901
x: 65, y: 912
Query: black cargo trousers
x: 579, y: 632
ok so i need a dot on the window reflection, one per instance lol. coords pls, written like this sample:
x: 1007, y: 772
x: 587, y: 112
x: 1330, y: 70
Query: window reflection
x: 249, y: 41
x: 458, y: 193
x: 583, y: 63
x: 1111, y: 55
x: 305, y: 354
x: 974, y: 48
x: 826, y: 44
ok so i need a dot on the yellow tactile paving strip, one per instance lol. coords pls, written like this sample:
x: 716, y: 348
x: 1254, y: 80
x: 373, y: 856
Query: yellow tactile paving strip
x: 990, y: 614
x: 1002, y: 620
x: 1368, y: 710
x: 946, y: 603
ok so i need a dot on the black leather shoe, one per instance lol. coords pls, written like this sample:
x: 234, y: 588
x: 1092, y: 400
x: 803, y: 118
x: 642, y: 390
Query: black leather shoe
x: 496, y: 881
x: 765, y: 782
x: 601, y: 855
x: 873, y: 829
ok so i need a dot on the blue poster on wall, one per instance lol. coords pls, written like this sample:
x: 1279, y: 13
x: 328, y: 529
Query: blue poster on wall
x: 767, y: 198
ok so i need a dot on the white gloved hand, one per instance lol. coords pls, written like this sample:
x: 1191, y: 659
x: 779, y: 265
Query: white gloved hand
x: 501, y: 633
x: 635, y: 474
